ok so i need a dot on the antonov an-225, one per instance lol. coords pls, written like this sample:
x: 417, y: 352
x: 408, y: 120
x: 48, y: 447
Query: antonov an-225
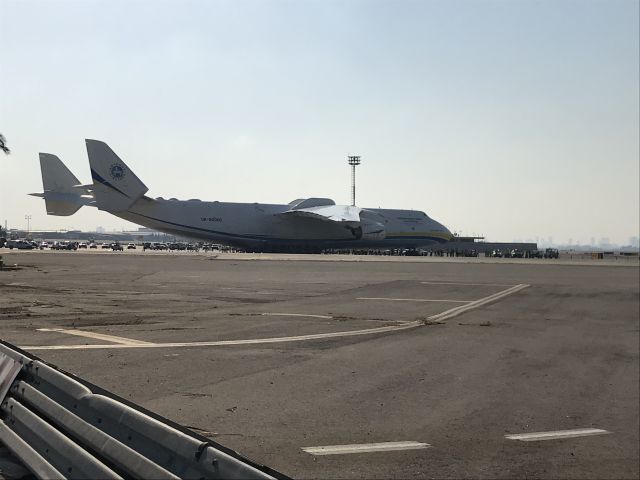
x: 304, y: 225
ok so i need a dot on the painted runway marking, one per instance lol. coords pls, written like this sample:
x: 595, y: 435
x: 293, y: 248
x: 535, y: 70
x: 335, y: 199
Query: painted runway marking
x: 257, y: 341
x: 454, y: 312
x: 365, y: 448
x: 97, y: 336
x: 253, y: 341
x: 269, y: 314
x: 412, y: 300
x: 536, y: 436
x: 469, y: 284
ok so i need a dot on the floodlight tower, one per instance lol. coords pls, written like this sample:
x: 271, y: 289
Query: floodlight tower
x: 354, y: 160
x: 28, y: 219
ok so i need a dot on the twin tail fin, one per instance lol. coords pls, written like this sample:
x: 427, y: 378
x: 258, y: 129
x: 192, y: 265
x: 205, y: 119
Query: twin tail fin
x: 63, y: 195
x: 115, y: 186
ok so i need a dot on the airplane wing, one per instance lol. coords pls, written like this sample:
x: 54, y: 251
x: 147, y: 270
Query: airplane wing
x: 361, y: 226
x: 328, y: 213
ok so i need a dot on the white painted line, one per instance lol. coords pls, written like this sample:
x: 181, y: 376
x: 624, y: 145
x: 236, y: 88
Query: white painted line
x: 97, y: 336
x: 318, y: 336
x: 253, y: 341
x: 536, y: 436
x: 365, y: 448
x: 454, y: 312
x: 469, y: 284
x: 412, y: 300
x: 269, y: 314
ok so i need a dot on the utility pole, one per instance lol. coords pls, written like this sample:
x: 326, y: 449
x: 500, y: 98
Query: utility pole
x: 28, y: 219
x: 354, y: 160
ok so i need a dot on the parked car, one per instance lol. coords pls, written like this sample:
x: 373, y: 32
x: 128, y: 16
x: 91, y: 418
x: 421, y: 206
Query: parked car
x: 82, y: 245
x: 116, y: 247
x: 64, y: 245
x: 551, y: 253
x: 44, y: 245
x: 131, y: 246
x: 93, y: 245
x: 19, y: 244
x: 106, y: 246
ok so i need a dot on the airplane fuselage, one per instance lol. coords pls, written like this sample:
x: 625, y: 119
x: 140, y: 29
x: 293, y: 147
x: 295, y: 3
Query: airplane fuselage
x: 261, y: 227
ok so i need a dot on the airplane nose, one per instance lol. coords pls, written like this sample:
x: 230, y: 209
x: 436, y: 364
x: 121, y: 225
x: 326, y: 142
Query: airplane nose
x: 446, y: 232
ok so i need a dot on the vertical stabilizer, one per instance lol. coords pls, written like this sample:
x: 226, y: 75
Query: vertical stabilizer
x: 115, y: 186
x: 55, y: 174
x: 61, y: 194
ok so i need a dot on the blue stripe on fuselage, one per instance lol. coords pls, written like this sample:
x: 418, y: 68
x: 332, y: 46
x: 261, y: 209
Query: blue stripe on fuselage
x: 98, y: 178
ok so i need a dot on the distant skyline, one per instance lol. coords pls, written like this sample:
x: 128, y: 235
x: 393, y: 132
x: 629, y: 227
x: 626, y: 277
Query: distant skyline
x: 506, y: 119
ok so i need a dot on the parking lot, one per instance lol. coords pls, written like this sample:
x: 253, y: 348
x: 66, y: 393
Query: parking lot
x: 325, y: 368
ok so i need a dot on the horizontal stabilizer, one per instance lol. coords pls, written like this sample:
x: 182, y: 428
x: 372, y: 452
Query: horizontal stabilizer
x: 84, y: 188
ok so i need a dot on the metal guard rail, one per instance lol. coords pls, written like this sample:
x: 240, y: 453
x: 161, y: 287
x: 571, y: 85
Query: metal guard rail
x: 61, y: 426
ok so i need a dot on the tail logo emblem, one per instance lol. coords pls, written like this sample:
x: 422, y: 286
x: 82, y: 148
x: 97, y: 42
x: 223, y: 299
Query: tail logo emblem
x: 117, y: 171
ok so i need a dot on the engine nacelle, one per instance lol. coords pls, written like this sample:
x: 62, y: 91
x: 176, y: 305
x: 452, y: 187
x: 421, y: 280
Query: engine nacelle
x: 372, y: 230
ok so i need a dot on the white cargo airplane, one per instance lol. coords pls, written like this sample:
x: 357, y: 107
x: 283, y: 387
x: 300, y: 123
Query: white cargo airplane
x: 304, y: 225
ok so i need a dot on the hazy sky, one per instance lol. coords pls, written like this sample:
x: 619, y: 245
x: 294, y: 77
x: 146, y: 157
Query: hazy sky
x: 512, y: 119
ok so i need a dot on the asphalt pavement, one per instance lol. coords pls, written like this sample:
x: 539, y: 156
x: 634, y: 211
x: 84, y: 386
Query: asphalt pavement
x: 405, y: 368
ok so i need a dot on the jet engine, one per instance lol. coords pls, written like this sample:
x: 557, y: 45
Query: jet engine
x: 371, y: 227
x: 372, y: 230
